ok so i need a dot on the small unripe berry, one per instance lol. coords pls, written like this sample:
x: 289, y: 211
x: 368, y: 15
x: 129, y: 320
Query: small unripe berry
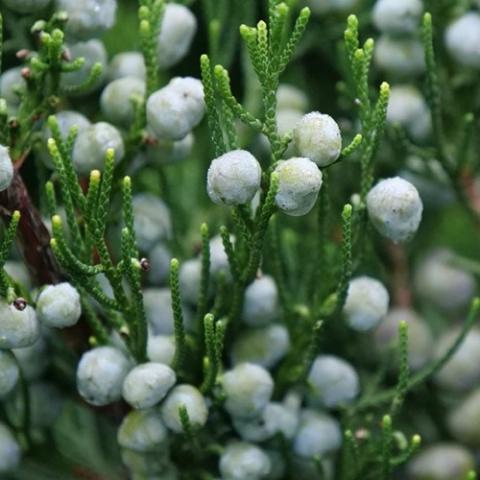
x: 420, y: 340
x: 87, y: 18
x: 394, y: 17
x: 395, y: 208
x: 366, y: 304
x: 190, y: 279
x: 176, y: 34
x: 442, y: 461
x: 93, y: 52
x: 441, y: 283
x: 127, y: 64
x: 318, y: 434
x: 244, y: 461
x: 6, y: 168
x: 33, y: 360
x: 262, y: 346
x: 260, y: 305
x: 59, y: 305
x: 194, y: 403
x: 142, y: 431
x: 174, y: 110
x: 10, y: 451
x: 234, y: 178
x: 161, y: 349
x: 26, y: 6
x: 18, y: 328
x: 152, y: 220
x: 248, y: 389
x: 461, y: 372
x: 9, y: 372
x: 299, y: 183
x: 318, y: 138
x: 147, y: 384
x: 100, y: 375
x: 92, y: 145
x: 462, y: 38
x: 402, y: 57
x: 332, y: 381
x: 275, y: 419
x: 218, y: 256
x: 116, y: 99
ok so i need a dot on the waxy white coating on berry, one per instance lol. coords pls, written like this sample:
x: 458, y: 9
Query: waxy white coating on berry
x: 275, y: 419
x: 174, y: 110
x: 366, y: 304
x: 420, y: 340
x: 127, y: 64
x: 176, y: 34
x: 9, y: 372
x: 152, y: 220
x: 395, y: 209
x: 100, y: 375
x: 332, y: 381
x: 142, y: 431
x: 290, y: 97
x: 10, y: 451
x: 234, y: 178
x: 317, y: 137
x: 397, y: 17
x: 441, y: 461
x: 194, y: 403
x: 244, y: 461
x: 117, y: 100
x: 442, y: 283
x: 18, y: 328
x: 318, y: 435
x: 260, y: 305
x: 87, y: 18
x: 462, y: 39
x: 262, y: 346
x: 299, y: 181
x: 402, y: 57
x: 92, y: 145
x: 461, y: 372
x: 6, y: 168
x: 161, y: 349
x: 248, y: 389
x: 59, y: 305
x: 147, y: 384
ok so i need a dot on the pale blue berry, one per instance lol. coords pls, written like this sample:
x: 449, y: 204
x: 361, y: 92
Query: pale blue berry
x: 318, y: 434
x: 244, y: 461
x: 332, y: 382
x: 143, y: 431
x: 176, y: 34
x: 395, y: 209
x: 6, y: 168
x: 11, y: 85
x: 248, y: 389
x: 10, y: 452
x: 161, y: 349
x: 463, y: 420
x: 117, y: 100
x: 33, y: 360
x: 260, y: 304
x: 127, y: 64
x: 147, y: 384
x: 394, y: 17
x: 18, y: 328
x: 92, y: 145
x: 290, y: 97
x: 194, y: 403
x: 462, y: 38
x: 100, y: 375
x: 402, y: 57
x: 159, y: 258
x: 59, y: 305
x: 299, y: 181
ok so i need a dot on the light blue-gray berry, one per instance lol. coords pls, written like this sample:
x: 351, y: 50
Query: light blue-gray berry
x: 10, y: 452
x: 6, y: 168
x: 18, y: 328
x: 161, y: 348
x: 127, y: 64
x: 147, y: 384
x: 244, y: 461
x: 100, y: 375
x: 260, y: 305
x: 59, y: 305
x: 9, y: 372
